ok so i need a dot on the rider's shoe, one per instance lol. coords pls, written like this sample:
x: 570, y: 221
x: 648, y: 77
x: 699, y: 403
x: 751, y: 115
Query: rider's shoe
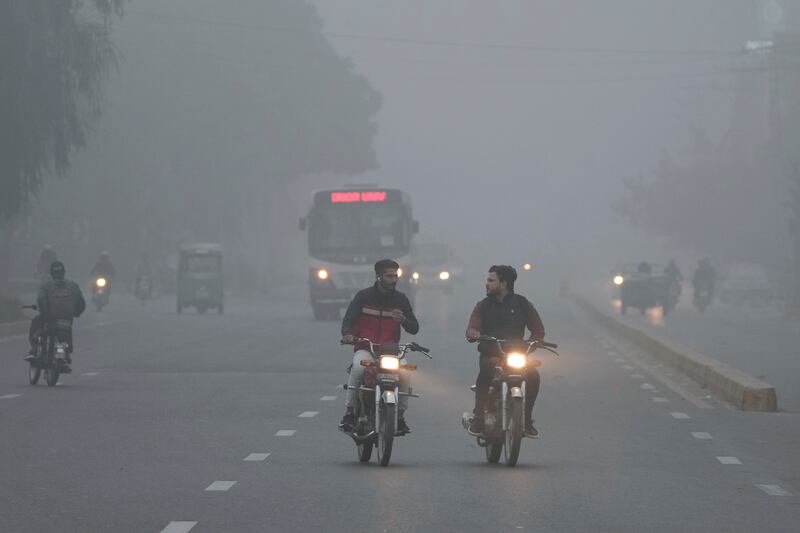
x: 68, y: 359
x: 402, y: 426
x: 476, y: 426
x: 530, y: 430
x: 30, y: 358
x: 348, y: 422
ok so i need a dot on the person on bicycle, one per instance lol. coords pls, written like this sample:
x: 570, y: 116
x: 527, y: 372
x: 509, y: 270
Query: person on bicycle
x: 377, y: 313
x: 60, y: 301
x: 505, y: 315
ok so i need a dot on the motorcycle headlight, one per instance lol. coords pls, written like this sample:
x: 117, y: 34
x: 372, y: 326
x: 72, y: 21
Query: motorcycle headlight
x: 444, y: 275
x: 399, y: 272
x: 516, y: 360
x: 322, y: 274
x: 619, y: 280
x: 101, y: 282
x: 390, y: 363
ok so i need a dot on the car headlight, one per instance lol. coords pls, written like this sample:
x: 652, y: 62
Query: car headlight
x: 101, y: 282
x: 444, y: 275
x: 516, y: 360
x: 390, y: 363
x: 619, y: 280
x: 322, y: 274
x: 527, y: 266
x: 415, y: 276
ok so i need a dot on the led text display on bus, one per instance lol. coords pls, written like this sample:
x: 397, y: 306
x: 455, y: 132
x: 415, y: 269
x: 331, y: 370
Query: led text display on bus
x: 351, y: 197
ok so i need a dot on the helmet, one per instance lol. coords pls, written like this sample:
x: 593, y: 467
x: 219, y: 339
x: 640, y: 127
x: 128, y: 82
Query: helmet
x: 57, y: 270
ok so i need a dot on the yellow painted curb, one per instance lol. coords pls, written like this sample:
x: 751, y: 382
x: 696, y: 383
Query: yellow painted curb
x: 743, y: 391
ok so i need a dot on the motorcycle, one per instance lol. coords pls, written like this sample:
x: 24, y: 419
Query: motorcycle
x: 378, y: 397
x: 703, y: 296
x: 143, y: 289
x: 505, y: 407
x: 50, y: 357
x: 100, y: 292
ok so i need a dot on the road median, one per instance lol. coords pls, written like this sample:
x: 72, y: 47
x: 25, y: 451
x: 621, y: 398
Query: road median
x: 743, y: 391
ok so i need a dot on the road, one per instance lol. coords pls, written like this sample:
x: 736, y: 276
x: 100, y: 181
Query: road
x: 163, y: 407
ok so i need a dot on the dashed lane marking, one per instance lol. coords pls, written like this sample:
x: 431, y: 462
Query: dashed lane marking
x: 637, y: 376
x: 257, y: 457
x: 702, y: 435
x: 221, y: 486
x: 627, y: 367
x: 660, y: 399
x: 285, y: 433
x: 90, y: 374
x: 308, y: 414
x: 729, y: 460
x: 680, y: 416
x: 774, y: 490
x: 327, y: 398
x: 179, y: 527
x: 619, y: 360
x: 647, y: 386
x: 9, y: 396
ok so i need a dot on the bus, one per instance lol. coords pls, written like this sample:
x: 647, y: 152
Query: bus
x: 349, y: 229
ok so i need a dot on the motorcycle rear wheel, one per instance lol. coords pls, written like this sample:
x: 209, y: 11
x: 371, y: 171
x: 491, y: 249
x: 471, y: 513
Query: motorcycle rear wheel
x: 387, y: 431
x: 514, y: 432
x: 51, y: 375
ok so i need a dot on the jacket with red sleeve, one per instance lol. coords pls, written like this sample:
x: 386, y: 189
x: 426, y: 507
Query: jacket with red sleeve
x: 369, y: 316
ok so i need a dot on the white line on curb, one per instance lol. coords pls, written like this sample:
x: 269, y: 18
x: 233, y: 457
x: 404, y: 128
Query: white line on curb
x: 179, y: 527
x: 682, y: 416
x: 327, y: 398
x: 702, y: 435
x: 729, y: 460
x: 285, y: 433
x: 774, y: 490
x: 221, y: 486
x: 659, y: 399
x: 257, y: 457
x: 9, y: 396
x: 308, y: 414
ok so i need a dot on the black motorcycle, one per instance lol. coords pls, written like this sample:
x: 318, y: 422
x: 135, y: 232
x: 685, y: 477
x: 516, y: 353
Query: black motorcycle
x: 51, y: 352
x: 505, y: 408
x: 703, y: 295
x: 377, y: 399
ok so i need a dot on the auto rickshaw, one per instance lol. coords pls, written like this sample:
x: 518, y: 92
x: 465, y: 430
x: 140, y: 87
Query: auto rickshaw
x: 200, y: 278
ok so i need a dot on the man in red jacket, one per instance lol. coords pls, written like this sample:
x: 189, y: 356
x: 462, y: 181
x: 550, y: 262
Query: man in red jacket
x: 377, y: 313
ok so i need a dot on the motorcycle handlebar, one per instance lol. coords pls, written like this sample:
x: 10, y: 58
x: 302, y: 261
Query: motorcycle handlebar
x: 413, y: 346
x: 543, y: 344
x: 33, y: 307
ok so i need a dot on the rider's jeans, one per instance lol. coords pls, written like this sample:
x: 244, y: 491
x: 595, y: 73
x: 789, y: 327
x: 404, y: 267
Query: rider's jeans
x: 357, y: 376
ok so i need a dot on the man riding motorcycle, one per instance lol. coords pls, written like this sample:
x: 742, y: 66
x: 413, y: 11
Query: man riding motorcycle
x: 505, y: 315
x: 60, y: 301
x: 103, y: 268
x: 377, y: 313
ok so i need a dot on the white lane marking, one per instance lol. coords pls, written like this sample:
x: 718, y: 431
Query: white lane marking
x: 774, y: 490
x: 647, y: 386
x: 257, y: 457
x: 729, y: 460
x: 682, y: 416
x: 90, y: 374
x: 612, y: 353
x: 327, y: 398
x: 308, y: 414
x: 627, y: 367
x: 285, y: 433
x: 619, y: 360
x: 9, y: 396
x: 221, y: 486
x: 702, y: 435
x: 637, y: 376
x: 179, y: 527
x: 660, y: 399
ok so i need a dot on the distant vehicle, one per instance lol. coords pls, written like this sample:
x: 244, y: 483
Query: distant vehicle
x: 349, y: 229
x: 745, y: 284
x: 200, y: 278
x: 644, y: 286
x: 436, y: 267
x: 101, y: 292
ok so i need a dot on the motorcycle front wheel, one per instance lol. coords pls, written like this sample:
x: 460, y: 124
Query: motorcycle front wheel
x: 51, y: 374
x: 386, y: 432
x: 514, y: 432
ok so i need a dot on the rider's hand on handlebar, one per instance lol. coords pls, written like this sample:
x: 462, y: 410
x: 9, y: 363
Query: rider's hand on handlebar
x: 473, y: 334
x: 347, y: 339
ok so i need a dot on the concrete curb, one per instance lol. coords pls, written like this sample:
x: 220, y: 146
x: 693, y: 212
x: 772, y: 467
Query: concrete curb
x: 743, y: 391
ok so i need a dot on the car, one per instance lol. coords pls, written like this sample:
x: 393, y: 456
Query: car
x: 436, y: 267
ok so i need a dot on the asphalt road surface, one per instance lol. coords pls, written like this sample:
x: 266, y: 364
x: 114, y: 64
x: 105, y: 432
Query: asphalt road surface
x: 228, y: 423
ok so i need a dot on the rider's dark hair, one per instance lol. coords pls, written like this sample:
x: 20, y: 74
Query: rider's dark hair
x: 505, y: 273
x: 57, y: 270
x: 383, y: 265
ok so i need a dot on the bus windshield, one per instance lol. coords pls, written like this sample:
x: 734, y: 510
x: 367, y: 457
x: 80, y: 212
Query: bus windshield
x: 359, y: 229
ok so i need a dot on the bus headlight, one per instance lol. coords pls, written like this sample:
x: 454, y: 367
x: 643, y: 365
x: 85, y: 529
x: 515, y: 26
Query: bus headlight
x: 619, y: 280
x: 322, y: 274
x: 444, y: 275
x: 516, y: 360
x: 390, y: 363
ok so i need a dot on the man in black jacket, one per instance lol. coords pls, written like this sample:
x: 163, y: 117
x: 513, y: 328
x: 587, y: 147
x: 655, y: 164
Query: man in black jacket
x: 505, y: 315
